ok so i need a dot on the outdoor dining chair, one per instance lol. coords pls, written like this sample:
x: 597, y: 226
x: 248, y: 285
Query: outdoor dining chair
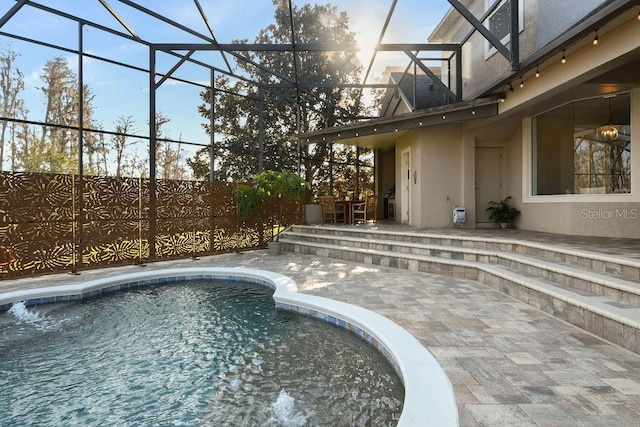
x: 365, y: 210
x: 331, y: 212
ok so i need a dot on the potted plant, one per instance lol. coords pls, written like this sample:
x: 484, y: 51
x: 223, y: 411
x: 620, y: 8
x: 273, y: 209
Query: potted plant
x: 503, y: 212
x: 250, y: 198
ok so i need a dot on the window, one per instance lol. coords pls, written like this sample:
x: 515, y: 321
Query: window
x: 499, y: 22
x: 583, y: 148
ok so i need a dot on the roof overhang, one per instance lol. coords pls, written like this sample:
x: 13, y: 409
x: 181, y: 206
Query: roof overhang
x: 381, y: 133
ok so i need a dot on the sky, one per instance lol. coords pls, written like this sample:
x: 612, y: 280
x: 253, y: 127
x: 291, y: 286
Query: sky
x: 122, y: 92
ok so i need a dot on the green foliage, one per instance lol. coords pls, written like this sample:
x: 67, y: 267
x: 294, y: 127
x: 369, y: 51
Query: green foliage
x: 248, y: 199
x: 502, y: 211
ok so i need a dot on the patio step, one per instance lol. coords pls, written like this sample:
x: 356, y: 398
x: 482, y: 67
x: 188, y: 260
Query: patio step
x: 618, y: 266
x: 602, y: 303
x: 611, y: 286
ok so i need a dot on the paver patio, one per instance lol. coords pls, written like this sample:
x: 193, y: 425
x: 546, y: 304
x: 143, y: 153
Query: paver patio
x: 510, y: 364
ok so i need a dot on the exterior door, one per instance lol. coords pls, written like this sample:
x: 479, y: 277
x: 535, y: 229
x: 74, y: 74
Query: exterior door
x: 406, y: 185
x: 488, y: 181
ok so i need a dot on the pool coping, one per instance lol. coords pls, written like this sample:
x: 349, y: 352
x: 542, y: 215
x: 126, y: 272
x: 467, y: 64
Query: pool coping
x: 428, y: 399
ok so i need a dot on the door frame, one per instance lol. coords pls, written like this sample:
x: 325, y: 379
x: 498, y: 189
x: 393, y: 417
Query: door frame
x: 405, y: 180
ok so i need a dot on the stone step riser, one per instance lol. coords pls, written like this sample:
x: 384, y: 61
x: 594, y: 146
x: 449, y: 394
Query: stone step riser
x: 610, y: 267
x: 607, y: 328
x: 579, y: 283
x: 582, y: 284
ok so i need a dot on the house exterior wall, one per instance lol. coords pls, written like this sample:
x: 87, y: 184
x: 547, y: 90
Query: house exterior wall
x: 610, y: 215
x: 557, y: 16
x: 436, y: 165
x: 543, y: 21
x: 440, y: 174
x: 444, y: 156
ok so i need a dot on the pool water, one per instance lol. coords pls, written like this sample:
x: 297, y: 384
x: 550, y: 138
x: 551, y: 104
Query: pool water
x: 205, y: 352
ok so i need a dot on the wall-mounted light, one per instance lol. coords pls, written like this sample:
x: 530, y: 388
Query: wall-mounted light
x: 537, y: 71
x: 564, y: 58
x: 595, y: 39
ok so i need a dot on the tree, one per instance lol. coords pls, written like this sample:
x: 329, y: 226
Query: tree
x: 11, y: 84
x: 60, y: 87
x: 236, y: 122
x: 124, y: 125
x: 167, y: 157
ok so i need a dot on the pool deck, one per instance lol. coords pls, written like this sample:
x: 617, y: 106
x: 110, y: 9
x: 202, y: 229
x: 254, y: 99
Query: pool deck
x: 510, y: 364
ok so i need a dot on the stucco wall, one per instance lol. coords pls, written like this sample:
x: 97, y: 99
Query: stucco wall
x: 566, y: 214
x: 587, y: 215
x: 440, y: 174
x: 436, y: 164
x: 560, y: 15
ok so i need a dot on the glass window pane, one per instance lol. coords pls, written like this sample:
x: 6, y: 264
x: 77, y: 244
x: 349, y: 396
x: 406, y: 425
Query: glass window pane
x: 584, y: 148
x: 500, y: 21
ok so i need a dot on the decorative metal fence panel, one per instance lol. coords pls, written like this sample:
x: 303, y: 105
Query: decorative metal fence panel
x: 46, y: 227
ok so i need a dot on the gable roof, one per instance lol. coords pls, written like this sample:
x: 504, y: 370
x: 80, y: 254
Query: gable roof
x: 427, y: 93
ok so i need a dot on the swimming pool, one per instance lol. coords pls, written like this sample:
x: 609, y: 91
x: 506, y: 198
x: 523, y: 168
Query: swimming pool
x: 428, y: 395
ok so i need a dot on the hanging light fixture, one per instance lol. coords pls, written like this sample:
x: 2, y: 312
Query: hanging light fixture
x: 609, y: 132
x: 537, y: 71
x: 564, y: 58
x: 595, y: 40
x: 521, y: 82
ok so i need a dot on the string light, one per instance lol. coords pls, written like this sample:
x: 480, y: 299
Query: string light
x: 564, y: 58
x: 595, y: 40
x: 537, y: 71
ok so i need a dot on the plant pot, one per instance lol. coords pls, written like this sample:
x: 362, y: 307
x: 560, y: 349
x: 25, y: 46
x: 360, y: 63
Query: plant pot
x: 504, y: 225
x: 313, y: 214
x: 275, y: 248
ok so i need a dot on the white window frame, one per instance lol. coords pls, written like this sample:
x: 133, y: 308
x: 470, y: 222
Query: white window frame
x: 489, y: 49
x: 528, y: 170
